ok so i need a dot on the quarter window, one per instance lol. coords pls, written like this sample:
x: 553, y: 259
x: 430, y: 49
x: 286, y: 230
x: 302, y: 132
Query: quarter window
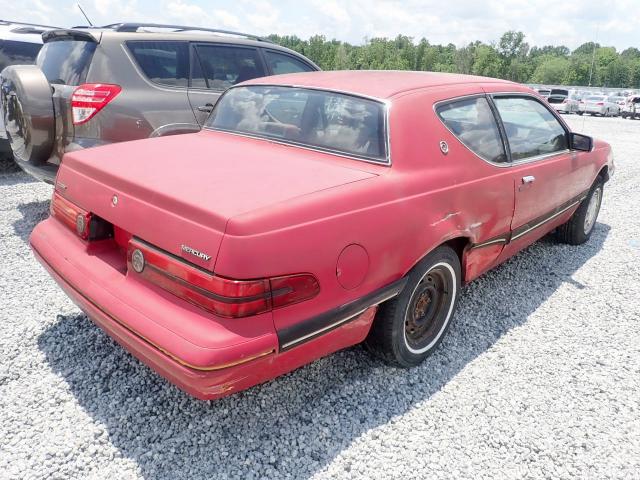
x: 473, y: 122
x: 531, y: 128
x: 280, y: 63
x: 163, y: 62
x: 223, y: 67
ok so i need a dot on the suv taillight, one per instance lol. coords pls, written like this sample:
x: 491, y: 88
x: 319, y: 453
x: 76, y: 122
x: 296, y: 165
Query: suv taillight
x: 89, y: 98
x: 222, y: 296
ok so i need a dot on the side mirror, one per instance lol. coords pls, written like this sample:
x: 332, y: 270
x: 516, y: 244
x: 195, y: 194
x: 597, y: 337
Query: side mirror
x: 583, y: 143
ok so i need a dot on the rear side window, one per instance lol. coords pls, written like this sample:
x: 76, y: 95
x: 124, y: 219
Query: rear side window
x: 17, y: 53
x: 163, y: 62
x: 473, y: 122
x: 531, y: 128
x: 222, y: 66
x: 66, y: 62
x: 280, y: 63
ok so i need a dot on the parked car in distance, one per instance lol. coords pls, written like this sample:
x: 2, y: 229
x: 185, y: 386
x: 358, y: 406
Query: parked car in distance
x: 313, y: 212
x: 619, y: 100
x: 543, y: 92
x: 631, y: 108
x: 564, y: 103
x: 19, y: 45
x: 598, y: 105
x: 94, y: 86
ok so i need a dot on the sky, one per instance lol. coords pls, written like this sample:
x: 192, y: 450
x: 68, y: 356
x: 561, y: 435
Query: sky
x: 544, y: 22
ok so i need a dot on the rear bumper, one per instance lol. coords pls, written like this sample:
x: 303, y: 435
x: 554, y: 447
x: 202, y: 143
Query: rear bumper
x: 204, y: 356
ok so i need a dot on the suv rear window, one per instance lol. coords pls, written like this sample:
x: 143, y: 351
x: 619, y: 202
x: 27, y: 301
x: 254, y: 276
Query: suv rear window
x: 320, y: 119
x: 66, y: 61
x: 17, y: 53
x: 164, y: 62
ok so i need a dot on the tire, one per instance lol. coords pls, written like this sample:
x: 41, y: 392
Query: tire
x: 580, y: 113
x: 431, y: 292
x: 578, y: 229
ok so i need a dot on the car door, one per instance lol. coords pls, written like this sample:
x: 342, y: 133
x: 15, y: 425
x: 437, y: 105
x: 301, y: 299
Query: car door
x: 549, y: 179
x: 216, y: 67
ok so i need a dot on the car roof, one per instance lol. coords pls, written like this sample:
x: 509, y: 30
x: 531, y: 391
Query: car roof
x: 22, y: 32
x: 372, y: 83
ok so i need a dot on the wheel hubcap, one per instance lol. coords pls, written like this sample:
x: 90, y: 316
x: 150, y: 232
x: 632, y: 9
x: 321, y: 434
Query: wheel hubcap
x: 592, y: 210
x: 429, y: 308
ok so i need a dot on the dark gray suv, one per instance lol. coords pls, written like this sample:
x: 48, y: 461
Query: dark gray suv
x: 92, y: 86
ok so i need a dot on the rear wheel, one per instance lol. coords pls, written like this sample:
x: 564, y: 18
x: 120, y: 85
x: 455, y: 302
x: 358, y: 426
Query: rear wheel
x: 581, y: 224
x: 408, y: 328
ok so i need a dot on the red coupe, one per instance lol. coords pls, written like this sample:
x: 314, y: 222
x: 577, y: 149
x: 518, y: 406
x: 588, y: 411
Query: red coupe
x: 315, y: 211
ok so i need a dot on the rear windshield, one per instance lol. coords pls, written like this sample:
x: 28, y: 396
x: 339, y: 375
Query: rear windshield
x: 17, y: 53
x: 324, y: 120
x: 66, y: 62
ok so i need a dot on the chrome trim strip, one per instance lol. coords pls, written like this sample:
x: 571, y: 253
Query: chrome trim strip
x: 490, y: 242
x: 337, y: 323
x: 546, y: 220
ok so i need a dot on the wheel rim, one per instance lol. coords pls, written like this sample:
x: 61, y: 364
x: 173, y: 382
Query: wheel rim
x: 429, y: 308
x: 592, y: 210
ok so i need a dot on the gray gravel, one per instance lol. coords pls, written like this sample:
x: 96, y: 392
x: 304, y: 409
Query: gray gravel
x: 539, y: 376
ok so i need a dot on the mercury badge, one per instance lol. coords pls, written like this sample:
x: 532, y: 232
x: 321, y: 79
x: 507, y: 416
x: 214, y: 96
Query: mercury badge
x: 194, y: 252
x: 444, y: 147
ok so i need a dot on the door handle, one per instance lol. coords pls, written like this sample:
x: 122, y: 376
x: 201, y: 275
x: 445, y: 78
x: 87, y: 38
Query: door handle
x: 528, y: 179
x: 205, y: 108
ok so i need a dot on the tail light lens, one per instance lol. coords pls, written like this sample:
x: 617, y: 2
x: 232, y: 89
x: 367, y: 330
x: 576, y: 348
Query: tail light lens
x: 600, y: 103
x: 71, y: 215
x: 87, y: 225
x: 222, y: 296
x: 89, y: 98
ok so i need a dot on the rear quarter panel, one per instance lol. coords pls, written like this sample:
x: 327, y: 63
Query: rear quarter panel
x: 424, y: 199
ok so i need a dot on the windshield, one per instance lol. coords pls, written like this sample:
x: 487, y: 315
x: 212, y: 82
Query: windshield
x: 320, y: 119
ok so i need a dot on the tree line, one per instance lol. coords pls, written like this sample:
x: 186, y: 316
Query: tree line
x: 511, y: 58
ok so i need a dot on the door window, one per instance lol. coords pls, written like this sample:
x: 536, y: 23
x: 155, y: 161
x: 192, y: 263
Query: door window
x: 163, y: 62
x: 222, y: 66
x: 280, y: 63
x: 473, y: 122
x: 531, y: 129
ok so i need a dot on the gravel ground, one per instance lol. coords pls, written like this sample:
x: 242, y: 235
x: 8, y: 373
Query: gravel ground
x: 539, y: 376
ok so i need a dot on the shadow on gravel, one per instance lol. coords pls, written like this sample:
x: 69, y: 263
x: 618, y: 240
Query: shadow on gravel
x: 294, y: 425
x: 8, y: 179
x: 32, y: 214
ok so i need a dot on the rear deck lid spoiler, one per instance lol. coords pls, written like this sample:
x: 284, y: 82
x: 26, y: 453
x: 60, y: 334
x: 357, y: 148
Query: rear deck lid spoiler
x: 70, y: 34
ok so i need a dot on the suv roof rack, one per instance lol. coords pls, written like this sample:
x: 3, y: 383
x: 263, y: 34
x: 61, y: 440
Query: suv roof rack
x: 133, y: 27
x: 11, y: 22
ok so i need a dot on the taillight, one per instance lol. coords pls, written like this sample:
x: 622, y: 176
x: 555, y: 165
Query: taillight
x: 71, y: 215
x: 223, y: 296
x: 600, y: 103
x: 89, y: 98
x: 87, y: 225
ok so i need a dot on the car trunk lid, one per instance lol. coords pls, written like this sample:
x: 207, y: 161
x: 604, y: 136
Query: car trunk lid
x: 178, y: 193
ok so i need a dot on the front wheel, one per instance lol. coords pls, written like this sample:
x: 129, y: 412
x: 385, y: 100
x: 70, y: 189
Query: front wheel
x: 408, y: 328
x: 579, y: 227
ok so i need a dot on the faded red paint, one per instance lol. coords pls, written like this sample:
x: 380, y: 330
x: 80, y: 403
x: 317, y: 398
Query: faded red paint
x: 261, y: 209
